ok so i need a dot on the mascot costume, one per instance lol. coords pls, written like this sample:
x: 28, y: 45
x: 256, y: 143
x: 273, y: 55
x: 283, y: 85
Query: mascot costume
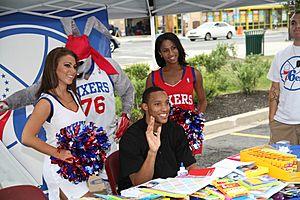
x: 98, y: 80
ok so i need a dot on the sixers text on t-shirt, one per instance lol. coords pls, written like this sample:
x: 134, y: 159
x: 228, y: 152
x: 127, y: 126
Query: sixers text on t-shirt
x: 92, y: 87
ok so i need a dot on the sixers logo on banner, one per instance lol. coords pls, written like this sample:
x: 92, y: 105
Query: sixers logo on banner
x: 290, y: 73
x: 23, y: 49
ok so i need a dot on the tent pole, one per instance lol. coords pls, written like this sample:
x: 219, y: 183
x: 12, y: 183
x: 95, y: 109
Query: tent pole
x: 152, y: 28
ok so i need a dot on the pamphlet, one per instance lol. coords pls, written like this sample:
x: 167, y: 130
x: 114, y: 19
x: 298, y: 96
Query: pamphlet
x: 253, y: 183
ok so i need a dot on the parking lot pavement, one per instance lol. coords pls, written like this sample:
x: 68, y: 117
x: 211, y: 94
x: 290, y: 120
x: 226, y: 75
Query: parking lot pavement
x: 218, y: 146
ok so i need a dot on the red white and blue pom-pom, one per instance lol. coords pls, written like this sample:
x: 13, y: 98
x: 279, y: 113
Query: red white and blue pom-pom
x: 192, y: 123
x: 88, y: 144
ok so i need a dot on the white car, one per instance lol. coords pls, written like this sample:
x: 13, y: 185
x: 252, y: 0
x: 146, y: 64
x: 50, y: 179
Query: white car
x: 114, y: 44
x: 210, y: 30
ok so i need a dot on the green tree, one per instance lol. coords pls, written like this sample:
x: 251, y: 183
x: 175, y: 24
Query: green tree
x: 137, y: 73
x: 250, y: 71
x: 212, y: 67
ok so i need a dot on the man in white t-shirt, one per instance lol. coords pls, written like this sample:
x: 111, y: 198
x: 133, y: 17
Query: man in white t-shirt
x: 284, y: 95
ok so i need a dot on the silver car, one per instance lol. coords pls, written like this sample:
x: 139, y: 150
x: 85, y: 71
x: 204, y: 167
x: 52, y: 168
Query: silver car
x: 212, y: 30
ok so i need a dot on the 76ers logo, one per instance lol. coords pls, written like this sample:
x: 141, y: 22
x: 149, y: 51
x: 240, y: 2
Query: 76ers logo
x: 290, y: 73
x: 23, y: 50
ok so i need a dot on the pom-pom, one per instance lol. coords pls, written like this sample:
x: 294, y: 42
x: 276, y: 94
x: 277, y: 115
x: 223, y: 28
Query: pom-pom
x: 88, y: 144
x: 192, y: 124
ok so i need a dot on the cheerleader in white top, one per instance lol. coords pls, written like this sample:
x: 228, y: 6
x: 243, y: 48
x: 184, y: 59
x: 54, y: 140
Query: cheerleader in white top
x: 57, y: 108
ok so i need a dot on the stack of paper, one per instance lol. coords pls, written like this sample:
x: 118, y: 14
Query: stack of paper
x: 184, y: 185
x: 172, y: 187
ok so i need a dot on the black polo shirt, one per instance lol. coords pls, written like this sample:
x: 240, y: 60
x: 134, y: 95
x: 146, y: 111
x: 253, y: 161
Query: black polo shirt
x: 134, y: 148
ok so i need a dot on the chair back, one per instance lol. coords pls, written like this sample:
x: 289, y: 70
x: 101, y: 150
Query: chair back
x: 22, y: 192
x: 112, y: 170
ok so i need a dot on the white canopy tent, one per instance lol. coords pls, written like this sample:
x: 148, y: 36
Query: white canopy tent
x: 120, y: 8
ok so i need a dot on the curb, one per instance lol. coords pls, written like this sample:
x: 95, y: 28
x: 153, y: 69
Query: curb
x: 235, y: 121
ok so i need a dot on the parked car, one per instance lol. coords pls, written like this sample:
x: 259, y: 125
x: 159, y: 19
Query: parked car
x: 114, y: 44
x: 115, y: 31
x: 212, y: 30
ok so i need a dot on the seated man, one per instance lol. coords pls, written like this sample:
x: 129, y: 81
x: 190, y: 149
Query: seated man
x: 153, y: 147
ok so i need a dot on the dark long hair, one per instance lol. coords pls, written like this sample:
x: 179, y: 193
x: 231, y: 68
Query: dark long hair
x: 173, y: 38
x: 49, y: 78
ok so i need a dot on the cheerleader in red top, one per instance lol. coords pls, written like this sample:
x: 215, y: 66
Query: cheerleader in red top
x: 178, y: 80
